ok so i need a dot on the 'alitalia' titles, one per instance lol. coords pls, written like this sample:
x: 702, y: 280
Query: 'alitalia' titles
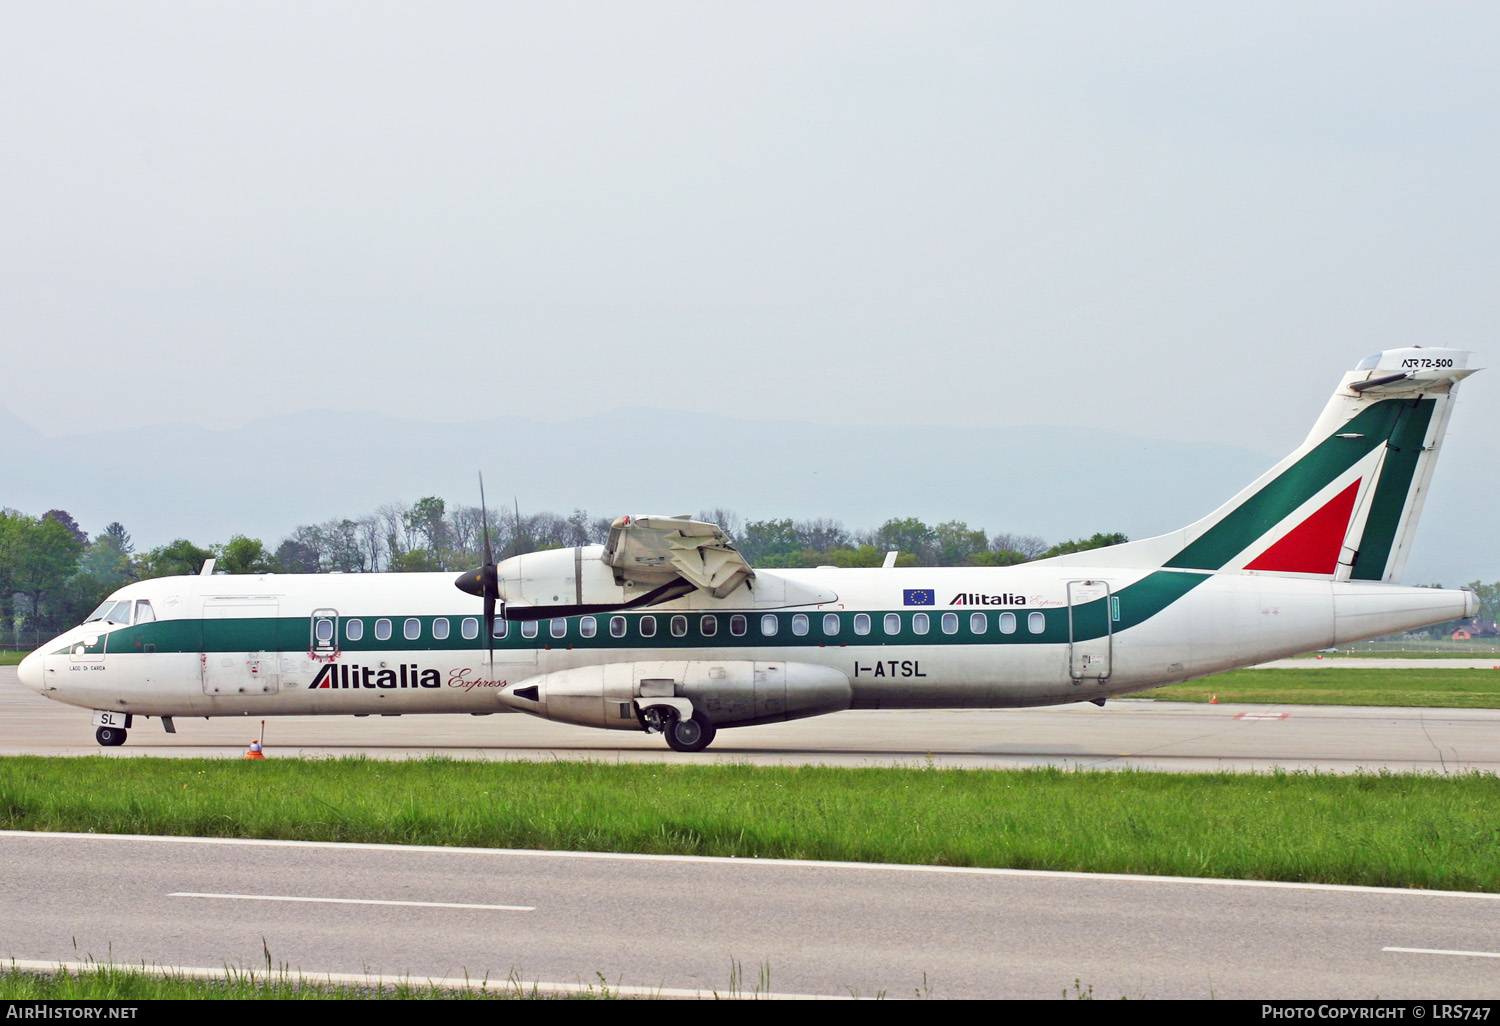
x: 970, y: 598
x: 352, y: 675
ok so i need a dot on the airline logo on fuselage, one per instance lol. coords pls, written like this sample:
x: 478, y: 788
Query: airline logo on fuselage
x: 969, y: 598
x: 349, y: 675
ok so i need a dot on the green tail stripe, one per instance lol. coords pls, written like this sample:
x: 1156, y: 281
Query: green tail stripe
x: 1394, y: 491
x: 1271, y: 505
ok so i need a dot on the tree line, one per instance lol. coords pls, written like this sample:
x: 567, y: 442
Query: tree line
x: 52, y: 574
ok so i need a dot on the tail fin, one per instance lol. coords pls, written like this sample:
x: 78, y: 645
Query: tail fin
x: 1344, y: 505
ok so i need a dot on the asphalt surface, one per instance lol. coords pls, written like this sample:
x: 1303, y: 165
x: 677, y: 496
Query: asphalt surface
x: 680, y: 927
x: 1137, y: 733
x: 685, y: 924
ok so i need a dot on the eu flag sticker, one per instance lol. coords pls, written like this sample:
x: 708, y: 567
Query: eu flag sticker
x: 916, y: 596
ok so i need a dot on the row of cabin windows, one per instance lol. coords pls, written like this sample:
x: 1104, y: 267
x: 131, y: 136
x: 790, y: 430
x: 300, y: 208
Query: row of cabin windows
x: 708, y: 626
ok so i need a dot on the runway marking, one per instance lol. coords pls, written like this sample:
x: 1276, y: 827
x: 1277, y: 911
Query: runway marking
x: 507, y: 986
x: 1441, y: 951
x: 1262, y: 716
x: 892, y: 867
x: 353, y: 901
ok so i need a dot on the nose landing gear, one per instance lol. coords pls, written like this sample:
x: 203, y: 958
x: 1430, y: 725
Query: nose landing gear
x: 110, y: 737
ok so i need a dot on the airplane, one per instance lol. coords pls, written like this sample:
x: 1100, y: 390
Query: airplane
x: 667, y: 629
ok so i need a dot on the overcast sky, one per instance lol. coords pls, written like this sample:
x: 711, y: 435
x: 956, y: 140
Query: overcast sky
x: 1184, y: 220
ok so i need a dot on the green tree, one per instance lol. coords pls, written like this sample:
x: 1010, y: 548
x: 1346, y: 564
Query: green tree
x: 765, y: 540
x: 241, y: 555
x: 178, y: 558
x: 39, y: 557
x: 959, y: 546
x: 1094, y: 541
x: 909, y: 535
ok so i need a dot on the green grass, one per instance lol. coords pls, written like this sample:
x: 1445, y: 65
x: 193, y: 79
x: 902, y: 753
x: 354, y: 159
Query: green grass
x: 1376, y: 829
x: 12, y: 658
x: 1332, y: 685
x: 126, y: 983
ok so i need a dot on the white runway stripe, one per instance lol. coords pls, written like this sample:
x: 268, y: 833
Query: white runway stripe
x: 352, y: 901
x: 1034, y: 874
x: 1441, y: 951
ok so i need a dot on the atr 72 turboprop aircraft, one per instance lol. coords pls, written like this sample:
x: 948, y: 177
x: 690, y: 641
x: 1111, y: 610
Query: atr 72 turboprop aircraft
x: 666, y: 628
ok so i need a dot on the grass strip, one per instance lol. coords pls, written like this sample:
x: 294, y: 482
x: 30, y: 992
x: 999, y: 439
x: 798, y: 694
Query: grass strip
x: 1333, y: 685
x: 127, y: 983
x: 1392, y: 830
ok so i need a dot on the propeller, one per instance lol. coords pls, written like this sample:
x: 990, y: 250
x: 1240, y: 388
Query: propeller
x: 484, y: 581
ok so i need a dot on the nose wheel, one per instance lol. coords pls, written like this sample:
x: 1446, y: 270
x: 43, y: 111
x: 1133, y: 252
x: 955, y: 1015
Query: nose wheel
x: 689, y: 735
x: 110, y: 737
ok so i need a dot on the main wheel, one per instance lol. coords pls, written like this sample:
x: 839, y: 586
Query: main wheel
x: 689, y: 735
x: 110, y: 737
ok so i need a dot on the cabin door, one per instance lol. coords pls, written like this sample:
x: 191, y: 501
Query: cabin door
x: 1090, y: 631
x: 241, y: 654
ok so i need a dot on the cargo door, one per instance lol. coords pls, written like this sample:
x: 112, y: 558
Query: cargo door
x: 241, y: 654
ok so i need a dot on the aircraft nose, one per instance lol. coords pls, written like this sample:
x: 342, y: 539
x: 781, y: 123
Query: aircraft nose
x: 30, y: 671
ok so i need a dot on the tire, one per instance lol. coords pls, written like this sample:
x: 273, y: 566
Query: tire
x: 110, y: 737
x: 689, y: 735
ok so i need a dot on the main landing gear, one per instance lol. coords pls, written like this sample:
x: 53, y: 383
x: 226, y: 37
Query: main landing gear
x: 691, y: 735
x: 110, y: 737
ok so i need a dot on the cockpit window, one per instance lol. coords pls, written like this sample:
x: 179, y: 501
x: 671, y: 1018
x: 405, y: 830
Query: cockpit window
x: 113, y: 612
x: 143, y: 612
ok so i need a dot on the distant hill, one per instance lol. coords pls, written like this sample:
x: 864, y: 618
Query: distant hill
x: 181, y: 480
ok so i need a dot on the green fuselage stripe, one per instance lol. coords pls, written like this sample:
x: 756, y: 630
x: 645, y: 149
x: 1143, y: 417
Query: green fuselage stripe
x: 1134, y: 604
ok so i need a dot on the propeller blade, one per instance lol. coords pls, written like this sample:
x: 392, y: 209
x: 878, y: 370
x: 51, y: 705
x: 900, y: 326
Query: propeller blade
x: 484, y: 582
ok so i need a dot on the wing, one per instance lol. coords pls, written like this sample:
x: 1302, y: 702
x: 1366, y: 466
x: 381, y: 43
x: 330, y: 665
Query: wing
x: 655, y: 550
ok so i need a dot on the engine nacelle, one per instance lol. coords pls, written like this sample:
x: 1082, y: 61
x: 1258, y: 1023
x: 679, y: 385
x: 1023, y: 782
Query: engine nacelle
x: 728, y: 693
x: 565, y: 582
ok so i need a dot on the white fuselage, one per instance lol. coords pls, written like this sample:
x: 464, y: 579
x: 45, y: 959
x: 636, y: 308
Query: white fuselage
x: 1017, y: 636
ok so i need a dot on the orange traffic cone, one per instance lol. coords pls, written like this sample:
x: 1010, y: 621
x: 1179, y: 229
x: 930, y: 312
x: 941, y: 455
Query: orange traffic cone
x: 1212, y: 701
x: 255, y: 752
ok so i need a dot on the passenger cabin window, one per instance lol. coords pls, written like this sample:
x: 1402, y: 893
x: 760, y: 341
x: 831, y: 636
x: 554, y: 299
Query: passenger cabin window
x: 1036, y: 623
x: 977, y: 623
x: 588, y: 627
x: 616, y: 626
x: 799, y: 625
x: 501, y: 628
x: 382, y: 630
x: 648, y: 626
x: 769, y: 625
x: 861, y: 623
x: 737, y: 625
x: 440, y: 628
x: 921, y: 623
x: 708, y: 626
x: 469, y: 628
x: 950, y: 623
x: 559, y: 627
x: 679, y: 626
x: 893, y: 623
x: 354, y: 629
x: 143, y: 612
x: 1007, y: 623
x: 830, y: 624
x: 411, y: 630
x: 323, y: 631
x: 529, y: 629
